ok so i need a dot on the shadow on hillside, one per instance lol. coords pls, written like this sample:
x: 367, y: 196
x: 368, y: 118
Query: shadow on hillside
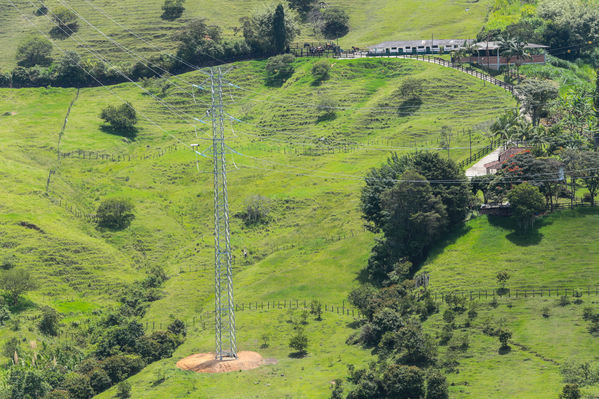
x: 504, y: 350
x: 450, y: 238
x: 298, y: 355
x: 128, y: 133
x: 22, y: 305
x: 520, y: 238
x: 409, y: 107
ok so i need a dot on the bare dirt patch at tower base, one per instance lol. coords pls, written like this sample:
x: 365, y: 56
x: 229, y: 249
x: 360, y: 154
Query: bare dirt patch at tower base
x: 206, y: 362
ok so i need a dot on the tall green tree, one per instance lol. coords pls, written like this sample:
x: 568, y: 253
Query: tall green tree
x: 536, y: 95
x: 590, y: 165
x: 35, y: 50
x: 526, y: 201
x: 596, y: 95
x: 335, y: 23
x: 16, y: 282
x: 279, y: 33
x: 259, y: 33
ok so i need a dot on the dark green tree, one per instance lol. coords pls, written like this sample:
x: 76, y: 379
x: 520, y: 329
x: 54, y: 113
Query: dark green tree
x: 279, y: 33
x: 123, y: 390
x: 526, y: 202
x: 78, y: 386
x: 258, y: 30
x: 536, y: 96
x: 335, y: 23
x: 279, y: 68
x: 121, y: 118
x: 596, y: 95
x: 320, y: 70
x: 401, y: 381
x: 115, y: 213
x: 303, y: 7
x: 26, y: 383
x: 589, y: 161
x: 570, y: 391
x: 49, y: 323
x: 172, y: 9
x: 36, y: 50
x: 299, y: 342
x: 69, y: 71
x: 436, y: 385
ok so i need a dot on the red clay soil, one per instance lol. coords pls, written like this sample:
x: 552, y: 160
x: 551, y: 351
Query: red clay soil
x: 206, y: 363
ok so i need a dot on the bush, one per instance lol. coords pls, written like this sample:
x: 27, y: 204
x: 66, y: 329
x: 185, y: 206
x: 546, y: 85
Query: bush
x: 299, y: 343
x: 316, y: 309
x: 66, y: 22
x: 570, y: 391
x: 172, y: 9
x: 115, y: 213
x: 99, y: 380
x: 411, y: 88
x: 564, y: 300
x: 327, y: 106
x: 279, y: 68
x: 177, y: 327
x: 48, y: 324
x: 459, y: 342
x: 504, y: 336
x: 8, y: 262
x: 335, y: 23
x: 120, y: 367
x: 121, y: 119
x: 57, y: 394
x: 546, y: 312
x: 35, y: 50
x: 320, y: 70
x: 123, y: 390
x: 5, y: 314
x: 449, y: 316
x: 16, y: 282
x: 257, y: 209
x: 78, y: 386
x: 436, y: 385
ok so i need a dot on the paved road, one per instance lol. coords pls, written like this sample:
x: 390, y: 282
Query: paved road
x: 478, y: 169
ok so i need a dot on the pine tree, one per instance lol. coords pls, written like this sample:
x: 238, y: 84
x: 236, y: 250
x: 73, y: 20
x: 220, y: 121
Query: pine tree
x: 279, y: 34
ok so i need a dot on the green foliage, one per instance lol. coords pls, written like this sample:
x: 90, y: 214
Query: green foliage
x: 66, y: 22
x: 299, y: 342
x: 303, y: 7
x: 448, y: 316
x: 321, y: 70
x: 259, y: 30
x: 69, y: 71
x: 16, y: 282
x: 436, y: 385
x: 121, y: 118
x: 36, y: 50
x: 115, y: 213
x: 536, y: 96
x: 177, y: 327
x: 57, y: 394
x: 502, y: 277
x: 8, y: 262
x: 5, y: 314
x: 504, y: 335
x: 526, y: 202
x: 279, y: 33
x: 99, y: 380
x: 25, y: 383
x: 337, y: 389
x: 279, y: 68
x: 257, y: 210
x: 403, y: 382
x: 411, y: 88
x: 78, y: 386
x: 123, y: 390
x: 327, y: 107
x: 580, y: 373
x: 49, y: 323
x: 316, y: 309
x: 335, y: 23
x: 172, y: 9
x: 120, y: 367
x: 570, y: 391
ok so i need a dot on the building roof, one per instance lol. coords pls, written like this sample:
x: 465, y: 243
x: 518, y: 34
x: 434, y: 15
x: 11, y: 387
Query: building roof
x: 425, y: 43
x: 505, y: 156
x: 494, y: 45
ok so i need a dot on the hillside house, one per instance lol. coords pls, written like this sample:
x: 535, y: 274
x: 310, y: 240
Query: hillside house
x: 504, y: 156
x: 488, y: 54
x: 418, y: 47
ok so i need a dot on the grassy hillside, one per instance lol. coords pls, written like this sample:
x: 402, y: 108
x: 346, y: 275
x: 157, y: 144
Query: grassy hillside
x: 371, y: 22
x: 314, y: 246
x: 541, y: 259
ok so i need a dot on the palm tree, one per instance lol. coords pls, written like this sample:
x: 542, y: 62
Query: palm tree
x: 509, y: 127
x: 519, y: 51
x: 507, y: 48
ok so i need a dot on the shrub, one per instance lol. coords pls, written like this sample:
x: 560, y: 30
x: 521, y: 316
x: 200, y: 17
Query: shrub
x: 8, y: 262
x: 120, y: 367
x: 446, y: 334
x: 121, y: 118
x: 78, y: 386
x: 299, y: 343
x: 449, y: 316
x: 436, y: 385
x: 564, y: 300
x: 48, y: 324
x: 115, y: 213
x: 327, y: 106
x: 10, y: 347
x: 279, y: 68
x: 411, y: 88
x: 172, y: 9
x: 546, y: 312
x: 177, y: 327
x: 588, y: 314
x: 5, y: 314
x: 502, y: 278
x: 335, y: 23
x: 66, y: 22
x: 320, y: 70
x: 472, y: 313
x: 526, y: 202
x: 35, y: 50
x: 459, y: 342
x: 257, y: 209
x: 123, y: 390
x: 99, y: 380
x: 570, y: 391
x: 316, y: 309
x: 16, y: 282
x: 57, y: 394
x: 504, y: 336
x: 455, y: 302
x: 403, y: 382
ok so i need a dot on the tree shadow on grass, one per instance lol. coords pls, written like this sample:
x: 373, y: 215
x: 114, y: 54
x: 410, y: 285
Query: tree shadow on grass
x: 448, y: 239
x: 327, y: 116
x: 22, y: 305
x: 298, y: 355
x: 504, y: 350
x: 520, y: 238
x: 128, y: 133
x: 409, y: 107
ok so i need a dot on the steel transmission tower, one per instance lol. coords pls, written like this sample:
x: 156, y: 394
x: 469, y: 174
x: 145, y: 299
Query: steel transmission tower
x: 226, y: 341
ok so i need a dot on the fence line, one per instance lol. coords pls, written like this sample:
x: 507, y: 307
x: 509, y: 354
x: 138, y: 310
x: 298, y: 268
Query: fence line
x: 533, y: 292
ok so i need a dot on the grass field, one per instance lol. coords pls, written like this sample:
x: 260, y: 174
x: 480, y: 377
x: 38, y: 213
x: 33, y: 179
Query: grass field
x: 314, y: 246
x: 371, y: 22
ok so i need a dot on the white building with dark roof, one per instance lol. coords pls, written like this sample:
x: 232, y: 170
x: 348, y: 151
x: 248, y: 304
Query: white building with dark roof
x: 434, y: 46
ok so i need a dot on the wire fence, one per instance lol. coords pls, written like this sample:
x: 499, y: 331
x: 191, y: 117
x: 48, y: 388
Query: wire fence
x: 533, y: 292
